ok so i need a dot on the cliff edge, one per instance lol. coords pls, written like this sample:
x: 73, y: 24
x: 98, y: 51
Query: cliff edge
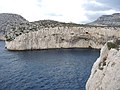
x: 105, y: 74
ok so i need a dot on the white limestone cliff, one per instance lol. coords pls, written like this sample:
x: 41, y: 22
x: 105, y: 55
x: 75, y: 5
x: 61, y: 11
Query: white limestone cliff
x: 105, y: 74
x: 63, y: 37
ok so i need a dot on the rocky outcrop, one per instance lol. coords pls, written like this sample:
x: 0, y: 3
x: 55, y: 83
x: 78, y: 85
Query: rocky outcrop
x: 105, y: 74
x: 7, y: 21
x: 33, y: 36
x: 108, y: 20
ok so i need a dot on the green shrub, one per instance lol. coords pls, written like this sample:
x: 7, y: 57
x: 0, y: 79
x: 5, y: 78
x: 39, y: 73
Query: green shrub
x: 6, y: 36
x: 117, y: 42
x: 111, y: 45
x: 9, y: 39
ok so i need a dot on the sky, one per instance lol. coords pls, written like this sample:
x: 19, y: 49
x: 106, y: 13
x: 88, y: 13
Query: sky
x: 76, y: 11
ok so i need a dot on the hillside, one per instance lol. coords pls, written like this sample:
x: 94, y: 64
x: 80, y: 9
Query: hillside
x: 46, y: 34
x: 23, y: 28
x: 7, y: 20
x: 108, y: 20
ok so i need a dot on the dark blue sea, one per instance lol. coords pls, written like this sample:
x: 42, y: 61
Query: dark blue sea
x: 57, y: 69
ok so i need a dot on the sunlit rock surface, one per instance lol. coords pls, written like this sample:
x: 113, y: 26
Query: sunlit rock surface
x: 33, y: 36
x: 105, y: 74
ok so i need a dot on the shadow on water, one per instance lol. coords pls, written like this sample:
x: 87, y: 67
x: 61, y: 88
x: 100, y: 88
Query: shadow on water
x: 59, y: 69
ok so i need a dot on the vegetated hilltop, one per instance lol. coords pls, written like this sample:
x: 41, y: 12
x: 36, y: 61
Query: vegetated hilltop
x: 108, y: 20
x: 23, y: 28
x: 7, y: 20
x: 19, y: 29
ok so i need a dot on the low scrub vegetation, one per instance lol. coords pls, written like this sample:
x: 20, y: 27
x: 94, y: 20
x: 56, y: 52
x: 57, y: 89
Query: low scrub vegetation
x: 114, y: 44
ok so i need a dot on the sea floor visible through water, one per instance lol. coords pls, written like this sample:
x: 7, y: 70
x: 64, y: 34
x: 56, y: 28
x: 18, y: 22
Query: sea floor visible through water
x: 57, y: 69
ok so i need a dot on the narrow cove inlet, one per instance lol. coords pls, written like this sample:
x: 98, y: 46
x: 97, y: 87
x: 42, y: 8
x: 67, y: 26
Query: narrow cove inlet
x: 57, y: 69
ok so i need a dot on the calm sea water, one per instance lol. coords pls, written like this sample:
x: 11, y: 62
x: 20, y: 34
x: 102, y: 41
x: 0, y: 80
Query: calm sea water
x: 61, y: 69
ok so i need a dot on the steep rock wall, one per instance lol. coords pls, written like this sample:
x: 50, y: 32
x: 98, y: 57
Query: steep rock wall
x: 105, y: 74
x: 64, y: 37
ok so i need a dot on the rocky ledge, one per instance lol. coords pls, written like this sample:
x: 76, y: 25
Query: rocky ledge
x: 105, y: 74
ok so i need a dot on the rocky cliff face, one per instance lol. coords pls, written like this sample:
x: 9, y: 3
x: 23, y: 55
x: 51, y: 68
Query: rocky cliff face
x: 58, y: 35
x: 7, y: 20
x: 105, y: 74
x: 23, y: 28
x: 109, y: 20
